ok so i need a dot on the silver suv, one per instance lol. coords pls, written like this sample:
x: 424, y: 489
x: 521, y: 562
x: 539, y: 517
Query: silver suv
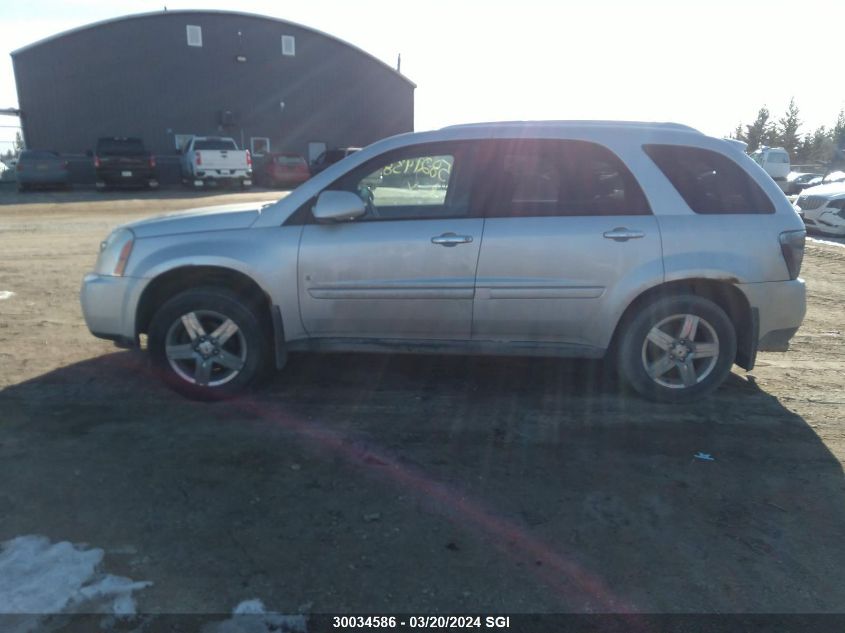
x: 666, y: 251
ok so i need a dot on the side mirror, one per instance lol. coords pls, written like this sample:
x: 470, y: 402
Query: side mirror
x: 338, y: 205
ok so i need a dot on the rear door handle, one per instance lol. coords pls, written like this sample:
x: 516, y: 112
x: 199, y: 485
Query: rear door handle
x: 451, y: 239
x: 621, y: 234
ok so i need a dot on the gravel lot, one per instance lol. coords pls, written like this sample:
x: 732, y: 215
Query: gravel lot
x: 413, y: 484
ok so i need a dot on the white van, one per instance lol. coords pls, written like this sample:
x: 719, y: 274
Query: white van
x: 775, y: 162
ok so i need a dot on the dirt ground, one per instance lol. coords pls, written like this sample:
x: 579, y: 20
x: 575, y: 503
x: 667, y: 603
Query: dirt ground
x: 414, y: 484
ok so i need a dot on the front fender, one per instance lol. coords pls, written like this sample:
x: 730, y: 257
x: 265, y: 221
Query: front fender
x: 267, y: 256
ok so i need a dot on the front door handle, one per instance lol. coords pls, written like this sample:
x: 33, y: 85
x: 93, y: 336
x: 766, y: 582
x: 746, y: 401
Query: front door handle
x: 621, y: 234
x: 451, y: 239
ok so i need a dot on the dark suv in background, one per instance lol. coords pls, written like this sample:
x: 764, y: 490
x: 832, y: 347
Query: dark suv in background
x: 124, y: 162
x: 330, y: 157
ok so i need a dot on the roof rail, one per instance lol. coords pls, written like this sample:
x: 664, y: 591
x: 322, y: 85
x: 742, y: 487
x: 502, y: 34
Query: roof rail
x: 579, y: 123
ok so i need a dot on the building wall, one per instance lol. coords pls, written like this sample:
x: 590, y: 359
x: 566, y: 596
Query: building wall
x: 138, y: 77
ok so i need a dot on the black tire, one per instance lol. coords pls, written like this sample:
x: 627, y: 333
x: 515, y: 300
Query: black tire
x: 250, y: 344
x: 691, y: 374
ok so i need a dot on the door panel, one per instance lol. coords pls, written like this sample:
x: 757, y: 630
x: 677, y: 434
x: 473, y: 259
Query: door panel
x: 386, y: 279
x: 568, y: 236
x: 550, y: 279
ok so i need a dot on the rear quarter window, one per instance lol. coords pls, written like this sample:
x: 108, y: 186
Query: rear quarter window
x: 709, y: 182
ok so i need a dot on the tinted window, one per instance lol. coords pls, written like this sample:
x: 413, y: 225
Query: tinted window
x: 333, y: 155
x: 709, y: 182
x: 290, y: 161
x: 215, y: 144
x: 412, y: 184
x: 534, y: 177
x: 120, y: 147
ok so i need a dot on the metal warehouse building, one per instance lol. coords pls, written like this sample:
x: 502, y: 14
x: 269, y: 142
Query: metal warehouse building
x: 270, y: 84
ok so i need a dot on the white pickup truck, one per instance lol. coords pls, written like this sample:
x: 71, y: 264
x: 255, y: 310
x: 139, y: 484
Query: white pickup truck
x: 215, y: 159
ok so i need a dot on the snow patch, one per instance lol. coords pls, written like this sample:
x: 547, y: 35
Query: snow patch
x: 42, y: 578
x: 6, y: 294
x: 250, y: 616
x: 829, y: 243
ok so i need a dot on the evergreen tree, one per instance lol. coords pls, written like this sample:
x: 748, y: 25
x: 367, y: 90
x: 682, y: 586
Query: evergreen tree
x: 760, y: 132
x: 786, y: 135
x: 817, y: 147
x: 838, y: 134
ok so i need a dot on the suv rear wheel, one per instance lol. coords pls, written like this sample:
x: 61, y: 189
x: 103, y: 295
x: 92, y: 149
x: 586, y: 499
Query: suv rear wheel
x: 677, y: 349
x: 207, y: 344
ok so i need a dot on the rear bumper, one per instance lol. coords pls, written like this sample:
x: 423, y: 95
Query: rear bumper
x: 43, y: 178
x: 115, y: 177
x: 223, y: 174
x: 781, y: 306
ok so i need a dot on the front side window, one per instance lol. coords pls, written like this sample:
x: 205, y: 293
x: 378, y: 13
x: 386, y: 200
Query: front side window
x: 541, y: 178
x: 709, y: 182
x: 409, y: 185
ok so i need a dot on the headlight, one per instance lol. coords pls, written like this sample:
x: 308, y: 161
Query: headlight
x: 115, y: 252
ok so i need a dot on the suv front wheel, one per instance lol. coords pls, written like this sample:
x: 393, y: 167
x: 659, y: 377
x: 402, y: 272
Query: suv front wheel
x: 207, y: 344
x: 677, y: 349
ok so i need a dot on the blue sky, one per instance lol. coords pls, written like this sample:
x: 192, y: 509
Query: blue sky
x: 709, y: 65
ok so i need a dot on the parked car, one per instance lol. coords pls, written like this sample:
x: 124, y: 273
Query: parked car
x: 285, y: 170
x: 823, y: 208
x: 828, y: 178
x: 667, y: 252
x: 215, y: 159
x: 41, y: 168
x: 774, y: 161
x: 833, y: 176
x: 330, y: 157
x: 121, y: 161
x: 797, y: 181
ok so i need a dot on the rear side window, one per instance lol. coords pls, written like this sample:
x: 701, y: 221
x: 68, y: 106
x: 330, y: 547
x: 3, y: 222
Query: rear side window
x: 709, y: 182
x: 543, y: 177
